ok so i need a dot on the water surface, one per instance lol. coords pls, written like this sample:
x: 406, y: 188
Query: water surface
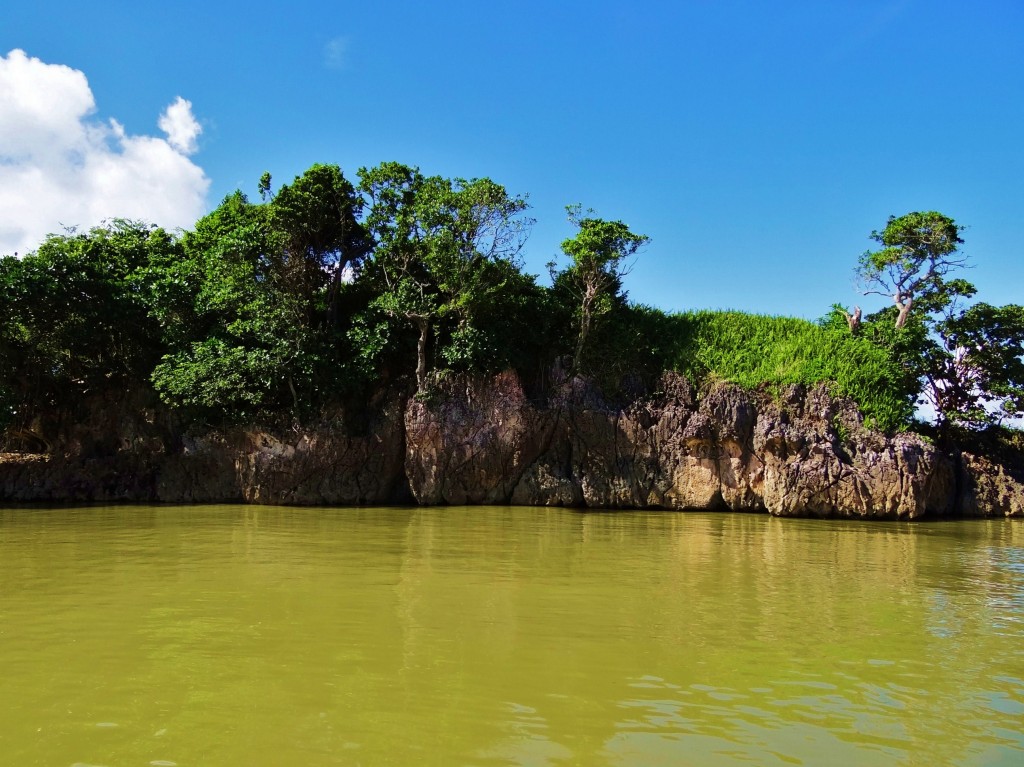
x: 229, y: 635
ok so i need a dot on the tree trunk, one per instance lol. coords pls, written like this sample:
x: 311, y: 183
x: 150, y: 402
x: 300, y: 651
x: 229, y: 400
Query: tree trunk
x: 590, y: 295
x: 295, y: 397
x: 853, y: 320
x: 333, y: 294
x: 577, y: 358
x: 904, y: 306
x: 421, y: 352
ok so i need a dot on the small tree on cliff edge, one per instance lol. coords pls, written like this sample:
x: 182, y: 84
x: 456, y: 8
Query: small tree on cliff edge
x: 600, y: 253
x: 974, y: 376
x: 966, y: 363
x: 919, y: 250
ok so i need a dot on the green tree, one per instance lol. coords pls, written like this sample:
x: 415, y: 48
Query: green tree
x: 75, y: 313
x: 73, y: 319
x: 317, y: 218
x: 443, y: 250
x: 254, y: 311
x: 975, y: 374
x: 600, y: 256
x: 964, y: 362
x: 226, y: 321
x: 918, y: 251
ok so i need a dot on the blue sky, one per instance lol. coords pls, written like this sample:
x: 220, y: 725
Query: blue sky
x: 757, y: 144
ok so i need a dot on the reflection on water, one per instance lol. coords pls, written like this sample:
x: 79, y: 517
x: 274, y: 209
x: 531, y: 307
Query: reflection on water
x: 256, y: 635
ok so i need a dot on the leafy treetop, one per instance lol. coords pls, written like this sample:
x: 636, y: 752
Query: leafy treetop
x: 600, y: 256
x: 918, y: 251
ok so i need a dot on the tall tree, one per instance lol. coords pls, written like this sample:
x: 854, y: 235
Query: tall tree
x: 918, y: 251
x: 317, y: 217
x: 964, y: 362
x: 235, y: 338
x: 600, y: 256
x: 442, y: 247
x: 253, y: 311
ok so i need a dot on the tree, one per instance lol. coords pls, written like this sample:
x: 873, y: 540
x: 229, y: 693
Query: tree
x: 443, y: 247
x: 600, y: 256
x: 75, y: 314
x: 317, y: 217
x: 976, y: 375
x: 74, y: 323
x: 253, y: 312
x: 919, y: 250
x: 964, y: 362
x: 236, y: 340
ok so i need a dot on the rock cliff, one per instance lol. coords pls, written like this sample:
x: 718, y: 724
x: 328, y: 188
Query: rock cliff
x: 485, y: 442
x: 805, y: 454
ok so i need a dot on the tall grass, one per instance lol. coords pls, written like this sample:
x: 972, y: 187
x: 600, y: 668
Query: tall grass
x: 759, y: 351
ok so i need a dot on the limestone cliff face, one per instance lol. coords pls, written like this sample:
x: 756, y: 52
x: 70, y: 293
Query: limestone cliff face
x: 243, y: 465
x: 484, y: 442
x: 804, y: 455
x: 990, y: 490
x: 299, y: 466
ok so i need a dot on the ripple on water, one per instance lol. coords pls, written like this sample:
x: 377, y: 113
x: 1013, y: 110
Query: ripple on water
x: 508, y: 636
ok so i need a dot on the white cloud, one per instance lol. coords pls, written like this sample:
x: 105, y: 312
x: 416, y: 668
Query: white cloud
x: 59, y: 167
x: 181, y: 126
x: 336, y: 53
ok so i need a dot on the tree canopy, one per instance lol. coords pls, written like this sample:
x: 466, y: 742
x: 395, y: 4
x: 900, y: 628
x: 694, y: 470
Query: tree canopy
x: 963, y: 362
x: 326, y: 292
x: 444, y: 251
x: 599, y: 256
x: 918, y: 251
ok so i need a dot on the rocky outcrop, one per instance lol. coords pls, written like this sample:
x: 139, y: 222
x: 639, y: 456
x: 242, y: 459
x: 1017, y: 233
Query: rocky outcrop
x: 321, y: 465
x: 990, y: 489
x: 75, y: 478
x: 479, y: 441
x: 298, y: 466
x: 472, y: 441
x: 806, y: 454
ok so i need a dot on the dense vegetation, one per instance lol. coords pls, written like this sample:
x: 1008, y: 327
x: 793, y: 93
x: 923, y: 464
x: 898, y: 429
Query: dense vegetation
x: 326, y: 293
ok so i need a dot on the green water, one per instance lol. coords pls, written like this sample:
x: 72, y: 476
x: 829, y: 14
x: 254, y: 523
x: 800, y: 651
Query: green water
x: 267, y: 636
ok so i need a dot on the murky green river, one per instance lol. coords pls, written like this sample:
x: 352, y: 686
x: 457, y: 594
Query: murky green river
x: 226, y: 635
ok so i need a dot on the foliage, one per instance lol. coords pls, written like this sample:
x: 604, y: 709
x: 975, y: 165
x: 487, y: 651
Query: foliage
x: 964, y: 362
x: 75, y: 318
x: 918, y: 251
x: 756, y: 351
x: 975, y: 374
x: 253, y: 312
x: 445, y: 251
x: 907, y: 346
x: 599, y: 256
x: 317, y: 217
x: 228, y: 324
x: 211, y: 376
x: 323, y: 293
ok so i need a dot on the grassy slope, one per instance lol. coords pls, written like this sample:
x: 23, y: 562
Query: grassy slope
x: 757, y: 351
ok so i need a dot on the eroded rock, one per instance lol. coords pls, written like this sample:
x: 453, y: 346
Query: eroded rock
x: 483, y: 441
